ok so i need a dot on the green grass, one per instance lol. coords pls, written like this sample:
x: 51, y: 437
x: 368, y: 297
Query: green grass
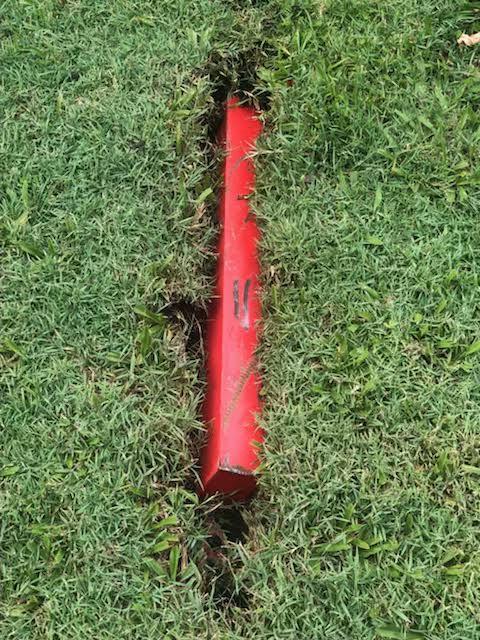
x: 366, y: 524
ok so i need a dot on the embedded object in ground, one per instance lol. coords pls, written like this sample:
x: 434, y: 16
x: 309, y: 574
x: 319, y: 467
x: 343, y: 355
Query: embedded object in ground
x: 230, y: 456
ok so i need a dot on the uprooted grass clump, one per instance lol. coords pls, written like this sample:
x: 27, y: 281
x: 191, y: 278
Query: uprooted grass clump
x: 365, y: 525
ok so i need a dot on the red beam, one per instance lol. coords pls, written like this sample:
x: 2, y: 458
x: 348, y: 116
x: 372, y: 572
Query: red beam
x: 230, y: 457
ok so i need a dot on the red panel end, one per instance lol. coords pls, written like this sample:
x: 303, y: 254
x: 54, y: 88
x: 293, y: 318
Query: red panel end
x: 229, y: 458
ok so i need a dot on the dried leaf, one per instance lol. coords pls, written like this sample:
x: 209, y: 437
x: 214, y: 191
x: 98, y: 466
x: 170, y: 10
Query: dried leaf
x: 469, y: 40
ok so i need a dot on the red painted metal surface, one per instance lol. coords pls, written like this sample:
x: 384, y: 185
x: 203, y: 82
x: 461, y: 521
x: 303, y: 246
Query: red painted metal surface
x: 230, y: 456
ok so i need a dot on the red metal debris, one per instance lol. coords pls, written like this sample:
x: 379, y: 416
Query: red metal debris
x: 230, y: 457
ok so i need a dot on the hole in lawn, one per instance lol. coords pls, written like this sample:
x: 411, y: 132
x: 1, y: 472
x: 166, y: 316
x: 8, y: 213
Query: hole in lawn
x: 225, y: 524
x: 227, y: 594
x: 227, y: 527
x: 190, y: 317
x: 231, y: 523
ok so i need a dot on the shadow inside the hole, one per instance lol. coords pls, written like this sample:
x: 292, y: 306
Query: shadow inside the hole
x: 227, y: 526
x: 226, y: 594
x: 190, y: 317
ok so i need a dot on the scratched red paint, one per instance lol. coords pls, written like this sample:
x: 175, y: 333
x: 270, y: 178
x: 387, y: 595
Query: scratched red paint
x: 230, y: 456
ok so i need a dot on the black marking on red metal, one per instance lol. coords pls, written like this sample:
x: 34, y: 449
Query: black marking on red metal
x: 246, y: 291
x: 236, y: 299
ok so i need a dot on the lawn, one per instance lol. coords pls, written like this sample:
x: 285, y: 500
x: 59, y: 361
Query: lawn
x: 366, y: 523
